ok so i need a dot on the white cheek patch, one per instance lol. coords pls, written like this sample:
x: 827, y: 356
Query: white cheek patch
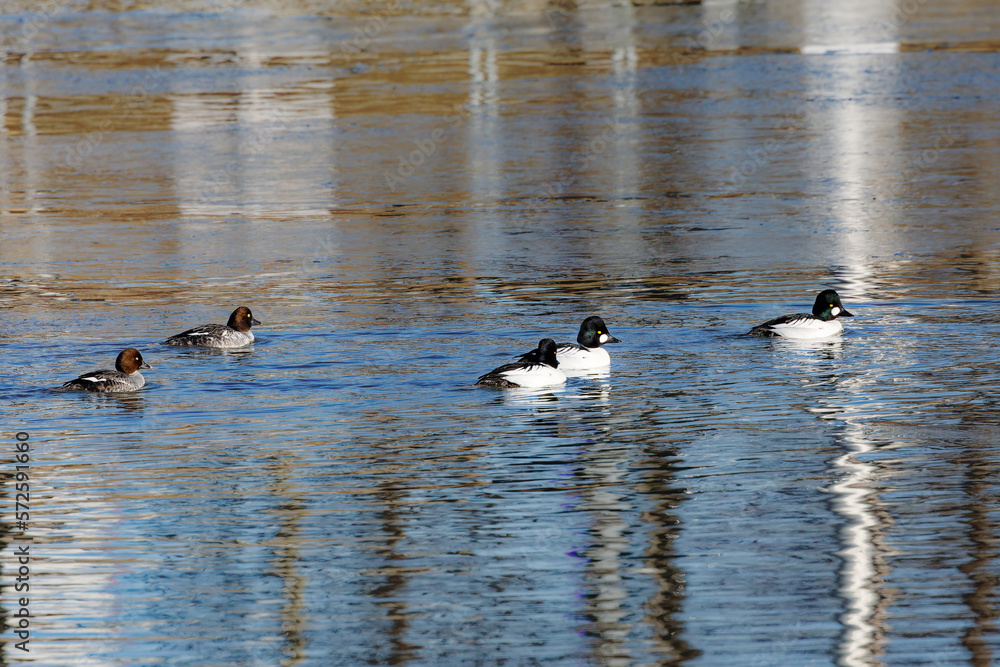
x: 603, y: 338
x: 835, y: 311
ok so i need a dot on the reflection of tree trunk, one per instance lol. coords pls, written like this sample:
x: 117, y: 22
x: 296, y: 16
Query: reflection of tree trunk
x: 609, y: 603
x: 982, y: 533
x: 395, y: 581
x: 286, y: 561
x: 668, y: 602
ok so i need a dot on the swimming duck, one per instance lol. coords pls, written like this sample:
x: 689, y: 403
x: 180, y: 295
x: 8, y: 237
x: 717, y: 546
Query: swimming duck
x: 821, y: 323
x: 125, y: 376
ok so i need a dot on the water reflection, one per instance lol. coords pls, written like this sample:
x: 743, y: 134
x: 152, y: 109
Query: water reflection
x: 666, y: 606
x: 862, y: 533
x: 707, y: 482
x: 286, y: 563
x: 980, y: 472
x: 604, y: 467
x: 250, y: 135
x: 485, y: 147
x: 134, y: 403
x: 387, y: 581
x: 591, y: 386
x: 21, y: 169
x: 860, y: 214
x: 863, y: 553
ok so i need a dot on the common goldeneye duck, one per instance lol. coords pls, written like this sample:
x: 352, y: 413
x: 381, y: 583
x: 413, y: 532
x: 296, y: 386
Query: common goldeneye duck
x: 538, y: 368
x: 821, y: 323
x: 588, y: 354
x: 235, y: 333
x: 125, y: 377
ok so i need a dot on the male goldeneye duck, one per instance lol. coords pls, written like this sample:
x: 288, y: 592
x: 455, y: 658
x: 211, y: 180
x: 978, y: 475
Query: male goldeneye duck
x: 125, y: 377
x: 537, y: 368
x: 235, y: 333
x: 822, y: 322
x: 588, y: 354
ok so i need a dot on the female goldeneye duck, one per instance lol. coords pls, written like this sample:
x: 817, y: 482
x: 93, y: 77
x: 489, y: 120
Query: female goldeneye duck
x: 538, y: 368
x: 125, y: 377
x: 822, y: 322
x: 235, y: 333
x: 588, y: 354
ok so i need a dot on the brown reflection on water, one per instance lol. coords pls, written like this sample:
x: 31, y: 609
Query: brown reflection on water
x: 667, y: 604
x: 393, y: 575
x: 259, y: 112
x: 613, y: 566
x: 979, y: 509
x: 257, y: 168
x: 286, y: 563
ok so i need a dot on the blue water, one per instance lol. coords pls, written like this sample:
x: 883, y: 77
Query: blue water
x: 341, y: 493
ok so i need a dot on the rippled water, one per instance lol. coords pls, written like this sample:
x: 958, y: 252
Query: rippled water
x: 406, y: 208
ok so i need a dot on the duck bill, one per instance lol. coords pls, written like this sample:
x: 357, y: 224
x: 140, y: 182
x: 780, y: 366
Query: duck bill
x: 844, y: 313
x: 254, y: 320
x: 612, y: 339
x: 146, y: 366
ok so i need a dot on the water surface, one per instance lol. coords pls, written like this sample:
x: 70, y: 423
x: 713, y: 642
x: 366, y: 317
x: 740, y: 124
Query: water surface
x: 407, y: 197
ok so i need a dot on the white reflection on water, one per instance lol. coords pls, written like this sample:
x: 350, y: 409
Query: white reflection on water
x: 855, y: 501
x: 484, y: 153
x: 625, y: 162
x: 230, y: 145
x: 855, y: 128
x: 229, y: 150
x: 483, y: 73
x: 852, y: 498
x: 529, y: 395
x: 23, y: 143
x: 605, y: 467
x: 720, y: 19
